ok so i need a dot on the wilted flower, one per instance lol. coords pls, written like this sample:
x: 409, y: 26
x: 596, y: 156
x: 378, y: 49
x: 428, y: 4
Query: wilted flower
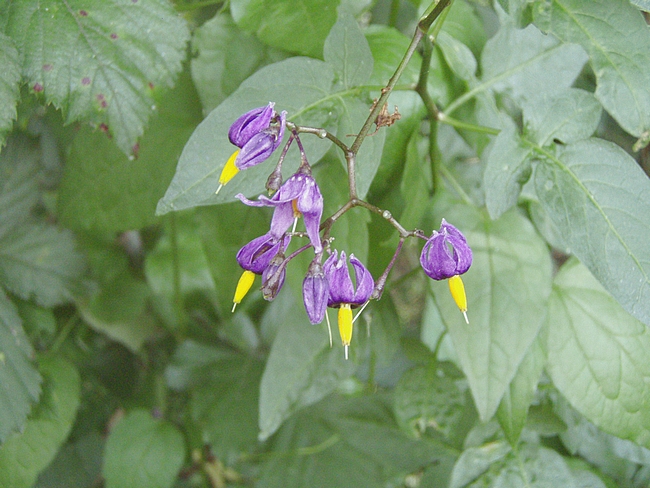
x: 342, y: 294
x: 447, y: 255
x: 315, y: 292
x: 257, y: 134
x: 273, y: 277
x: 298, y: 196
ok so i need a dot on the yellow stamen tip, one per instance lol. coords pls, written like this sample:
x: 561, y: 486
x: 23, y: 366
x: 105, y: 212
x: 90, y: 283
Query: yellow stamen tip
x: 457, y: 290
x: 228, y: 171
x: 243, y: 286
x: 345, y: 326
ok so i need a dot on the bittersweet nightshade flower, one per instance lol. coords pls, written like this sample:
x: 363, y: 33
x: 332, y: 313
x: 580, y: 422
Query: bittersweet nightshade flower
x: 298, y: 196
x: 315, y: 292
x: 257, y: 134
x: 255, y: 257
x: 273, y: 277
x: 446, y: 255
x: 342, y: 294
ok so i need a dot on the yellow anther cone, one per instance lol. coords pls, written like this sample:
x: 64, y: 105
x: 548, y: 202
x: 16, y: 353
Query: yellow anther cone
x: 457, y: 290
x: 243, y: 286
x: 345, y: 326
x: 229, y: 171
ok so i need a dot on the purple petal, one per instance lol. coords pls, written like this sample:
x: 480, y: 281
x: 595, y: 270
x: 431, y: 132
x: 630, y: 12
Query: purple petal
x: 280, y: 134
x: 255, y: 151
x: 315, y: 291
x: 258, y: 253
x: 310, y: 204
x: 435, y: 258
x: 365, y: 283
x: 282, y: 219
x: 249, y: 124
x: 341, y: 288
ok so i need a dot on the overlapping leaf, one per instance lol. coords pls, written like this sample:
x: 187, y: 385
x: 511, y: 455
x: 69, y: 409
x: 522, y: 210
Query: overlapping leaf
x: 618, y: 42
x: 507, y: 288
x: 100, y: 60
x: 9, y: 78
x: 598, y: 355
x: 599, y: 200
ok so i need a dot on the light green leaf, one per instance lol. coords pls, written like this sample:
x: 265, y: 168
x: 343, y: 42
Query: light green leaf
x: 143, y: 451
x: 458, y: 56
x: 599, y: 199
x: 508, y: 167
x: 19, y: 190
x: 40, y: 261
x: 598, y: 356
x: 415, y: 185
x: 299, y: 26
x: 19, y: 380
x: 25, y: 455
x: 617, y: 39
x: 9, y: 88
x: 536, y: 467
x: 226, y: 56
x: 464, y: 23
x: 387, y: 46
x: 525, y: 63
x: 301, y: 369
x: 642, y: 4
x: 568, y: 116
x: 207, y: 150
x: 103, y: 189
x: 474, y: 461
x: 513, y: 409
x: 507, y: 291
x: 347, y: 51
x: 100, y: 60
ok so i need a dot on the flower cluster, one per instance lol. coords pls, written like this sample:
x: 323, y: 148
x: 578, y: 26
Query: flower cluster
x: 258, y: 133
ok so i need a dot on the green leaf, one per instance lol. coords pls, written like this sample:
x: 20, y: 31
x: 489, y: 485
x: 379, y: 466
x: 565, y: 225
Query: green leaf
x: 568, y: 116
x: 226, y: 56
x: 642, y: 4
x: 508, y: 167
x: 100, y: 61
x: 9, y: 88
x: 507, y: 291
x: 19, y: 188
x: 347, y: 51
x: 598, y: 356
x: 301, y: 369
x: 40, y: 261
x: 415, y: 185
x: 25, y: 455
x: 387, y: 47
x: 525, y: 63
x: 143, y: 451
x: 617, y: 39
x: 208, y: 148
x: 474, y: 461
x: 537, y: 467
x: 19, y: 380
x: 299, y: 26
x: 513, y: 409
x: 599, y: 199
x: 103, y: 189
x: 458, y: 56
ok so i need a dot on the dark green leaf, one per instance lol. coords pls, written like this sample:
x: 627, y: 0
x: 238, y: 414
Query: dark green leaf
x: 9, y: 78
x: 143, y: 451
x: 525, y: 63
x: 507, y: 290
x: 19, y: 380
x: 347, y: 51
x: 208, y: 148
x: 99, y: 60
x: 76, y: 464
x: 508, y: 168
x: 599, y: 199
x: 598, y: 355
x: 513, y: 409
x: 568, y: 116
x: 415, y: 185
x: 301, y: 369
x: 40, y: 261
x: 299, y: 26
x: 103, y: 189
x: 226, y: 57
x: 617, y: 39
x: 25, y: 455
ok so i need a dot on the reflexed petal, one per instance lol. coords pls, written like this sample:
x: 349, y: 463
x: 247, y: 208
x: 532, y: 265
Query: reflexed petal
x: 258, y: 253
x: 255, y: 151
x: 280, y: 133
x: 365, y: 283
x: 249, y: 124
x: 282, y: 219
x: 436, y: 260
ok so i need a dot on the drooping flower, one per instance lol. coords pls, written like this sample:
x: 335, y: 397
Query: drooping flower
x: 298, y: 196
x: 342, y: 292
x: 255, y: 257
x: 273, y: 277
x: 257, y: 134
x: 315, y: 291
x: 446, y: 255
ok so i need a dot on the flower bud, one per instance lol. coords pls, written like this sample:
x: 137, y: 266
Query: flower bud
x: 249, y: 124
x: 315, y: 291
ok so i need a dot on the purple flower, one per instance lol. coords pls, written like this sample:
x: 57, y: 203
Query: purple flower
x: 446, y: 253
x: 315, y: 292
x: 299, y: 195
x: 261, y: 145
x: 340, y: 283
x: 258, y: 253
x: 249, y: 124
